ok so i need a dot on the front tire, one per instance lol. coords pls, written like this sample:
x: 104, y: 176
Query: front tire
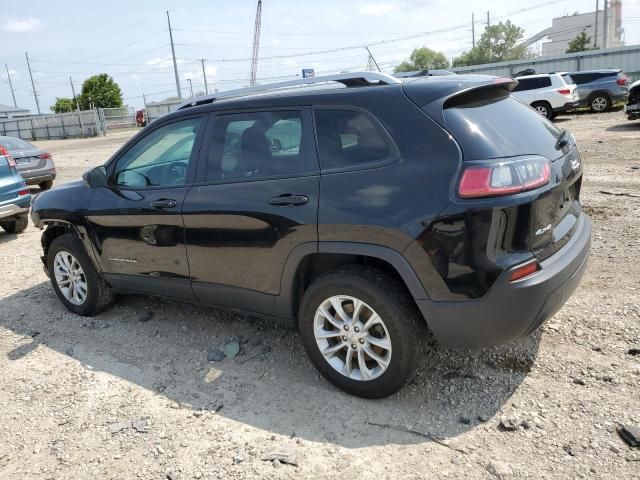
x: 46, y: 185
x: 18, y: 225
x: 361, y: 330
x: 75, y: 280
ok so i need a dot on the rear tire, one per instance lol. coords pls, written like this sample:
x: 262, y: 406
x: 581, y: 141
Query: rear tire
x: 543, y: 108
x: 95, y: 294
x: 18, y: 225
x: 600, y: 102
x: 395, y: 340
x: 46, y: 185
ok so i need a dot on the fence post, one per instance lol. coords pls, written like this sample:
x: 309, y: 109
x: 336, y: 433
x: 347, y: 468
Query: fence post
x: 33, y: 130
x: 4, y: 129
x: 64, y: 134
x: 578, y: 62
x: 46, y: 124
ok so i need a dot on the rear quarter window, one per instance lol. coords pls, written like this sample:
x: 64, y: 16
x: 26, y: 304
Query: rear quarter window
x: 493, y: 124
x: 351, y: 138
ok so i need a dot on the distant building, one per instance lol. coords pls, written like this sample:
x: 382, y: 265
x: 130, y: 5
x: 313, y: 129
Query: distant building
x: 564, y: 29
x: 11, y: 112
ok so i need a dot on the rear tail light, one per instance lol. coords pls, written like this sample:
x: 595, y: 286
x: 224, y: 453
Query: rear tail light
x: 622, y: 81
x: 504, y: 178
x: 45, y: 155
x: 564, y: 91
x: 24, y: 192
x: 10, y: 160
x: 524, y: 271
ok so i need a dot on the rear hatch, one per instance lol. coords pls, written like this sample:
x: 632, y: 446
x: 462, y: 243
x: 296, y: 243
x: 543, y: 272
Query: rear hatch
x: 10, y: 182
x: 492, y: 127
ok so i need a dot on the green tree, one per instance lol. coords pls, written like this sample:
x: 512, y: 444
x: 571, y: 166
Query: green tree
x: 498, y: 43
x: 581, y: 43
x: 101, y: 91
x: 63, y: 105
x: 423, y: 59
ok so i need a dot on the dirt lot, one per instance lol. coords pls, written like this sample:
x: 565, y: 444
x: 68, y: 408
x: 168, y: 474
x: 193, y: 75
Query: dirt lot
x: 130, y: 393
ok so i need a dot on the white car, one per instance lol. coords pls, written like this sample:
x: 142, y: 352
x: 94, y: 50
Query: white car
x: 548, y: 93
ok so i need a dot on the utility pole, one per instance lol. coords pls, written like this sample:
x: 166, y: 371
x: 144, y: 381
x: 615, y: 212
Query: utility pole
x: 253, y: 73
x: 595, y: 37
x: 11, y: 86
x: 75, y: 99
x: 373, y: 59
x: 488, y: 19
x: 173, y: 53
x: 473, y: 30
x: 190, y: 88
x: 33, y: 85
x: 204, y: 75
x: 605, y: 27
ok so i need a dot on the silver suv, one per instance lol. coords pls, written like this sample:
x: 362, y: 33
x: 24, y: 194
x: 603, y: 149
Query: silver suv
x: 599, y: 89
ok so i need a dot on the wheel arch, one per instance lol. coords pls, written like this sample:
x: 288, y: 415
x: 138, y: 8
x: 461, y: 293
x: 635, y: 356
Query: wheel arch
x: 55, y: 228
x: 309, y: 261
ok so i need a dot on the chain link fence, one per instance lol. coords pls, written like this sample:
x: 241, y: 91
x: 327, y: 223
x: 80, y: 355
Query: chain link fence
x: 118, y: 118
x: 85, y: 123
x: 155, y: 110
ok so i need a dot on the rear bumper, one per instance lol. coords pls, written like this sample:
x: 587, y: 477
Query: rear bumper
x: 512, y: 310
x: 13, y: 209
x: 567, y: 107
x: 38, y: 176
x: 632, y: 111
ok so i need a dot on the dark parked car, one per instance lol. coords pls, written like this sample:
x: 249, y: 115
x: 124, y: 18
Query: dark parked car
x: 632, y: 107
x: 14, y: 196
x: 359, y: 215
x: 34, y: 164
x: 599, y: 89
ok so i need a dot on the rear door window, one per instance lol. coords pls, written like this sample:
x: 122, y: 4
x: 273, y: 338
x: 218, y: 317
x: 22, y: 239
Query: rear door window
x: 258, y: 145
x: 351, y: 138
x: 493, y: 124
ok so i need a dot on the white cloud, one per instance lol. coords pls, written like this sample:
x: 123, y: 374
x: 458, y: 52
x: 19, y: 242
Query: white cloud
x: 163, y: 62
x: 196, y: 74
x: 13, y: 74
x: 376, y: 9
x: 22, y: 25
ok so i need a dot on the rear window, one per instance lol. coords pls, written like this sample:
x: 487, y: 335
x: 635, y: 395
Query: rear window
x: 11, y: 143
x: 532, y: 83
x: 492, y: 124
x: 567, y: 79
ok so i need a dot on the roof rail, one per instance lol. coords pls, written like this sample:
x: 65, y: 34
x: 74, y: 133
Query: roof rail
x: 352, y: 79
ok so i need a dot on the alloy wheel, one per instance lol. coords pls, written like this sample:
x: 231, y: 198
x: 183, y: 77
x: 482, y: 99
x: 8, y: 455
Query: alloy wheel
x: 352, y: 338
x: 542, y: 110
x: 70, y: 278
x: 599, y: 104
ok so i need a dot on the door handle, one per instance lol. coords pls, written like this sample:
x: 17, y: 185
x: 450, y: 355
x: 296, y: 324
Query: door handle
x: 288, y: 200
x: 163, y: 203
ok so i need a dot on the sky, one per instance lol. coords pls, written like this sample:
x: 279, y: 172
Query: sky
x: 129, y: 40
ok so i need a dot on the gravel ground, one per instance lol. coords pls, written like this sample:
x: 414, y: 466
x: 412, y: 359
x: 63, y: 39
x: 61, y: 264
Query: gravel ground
x: 131, y: 394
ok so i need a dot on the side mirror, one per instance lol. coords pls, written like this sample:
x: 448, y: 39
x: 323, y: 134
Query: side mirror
x: 96, y: 177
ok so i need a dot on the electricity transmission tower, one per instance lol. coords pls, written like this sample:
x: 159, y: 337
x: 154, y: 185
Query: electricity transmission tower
x: 256, y: 45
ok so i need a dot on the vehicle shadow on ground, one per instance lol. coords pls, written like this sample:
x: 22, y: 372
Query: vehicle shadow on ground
x: 161, y: 345
x: 7, y: 237
x: 629, y: 126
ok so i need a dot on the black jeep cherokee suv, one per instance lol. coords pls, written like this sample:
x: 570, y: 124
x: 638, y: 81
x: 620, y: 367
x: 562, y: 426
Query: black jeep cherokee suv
x: 361, y: 215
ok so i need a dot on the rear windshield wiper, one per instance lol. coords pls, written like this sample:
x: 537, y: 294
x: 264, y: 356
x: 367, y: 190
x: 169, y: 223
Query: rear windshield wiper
x: 563, y: 139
